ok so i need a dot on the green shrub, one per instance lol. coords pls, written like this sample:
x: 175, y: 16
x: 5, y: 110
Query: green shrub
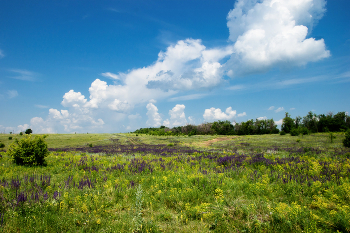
x: 21, y: 133
x: 282, y: 133
x: 294, y: 132
x: 303, y: 130
x: 28, y: 131
x: 29, y: 151
x: 2, y: 145
x: 346, y: 141
x: 10, y: 138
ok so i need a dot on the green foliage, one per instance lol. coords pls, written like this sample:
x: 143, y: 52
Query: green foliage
x: 28, y: 131
x: 288, y: 123
x: 310, y: 122
x: 303, y: 130
x: 29, y: 151
x: 222, y: 127
x: 90, y: 144
x: 10, y: 138
x: 294, y: 132
x: 346, y: 141
x: 282, y: 133
x: 21, y: 133
x: 2, y: 145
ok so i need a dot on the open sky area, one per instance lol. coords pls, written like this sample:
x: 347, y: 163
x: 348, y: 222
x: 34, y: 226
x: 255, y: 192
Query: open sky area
x: 115, y: 66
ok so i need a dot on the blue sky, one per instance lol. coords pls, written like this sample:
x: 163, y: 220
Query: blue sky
x: 114, y: 66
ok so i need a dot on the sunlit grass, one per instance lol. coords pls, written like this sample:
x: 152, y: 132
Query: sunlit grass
x: 268, y: 183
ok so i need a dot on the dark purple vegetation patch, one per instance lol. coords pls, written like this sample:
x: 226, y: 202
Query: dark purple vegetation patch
x: 143, y: 149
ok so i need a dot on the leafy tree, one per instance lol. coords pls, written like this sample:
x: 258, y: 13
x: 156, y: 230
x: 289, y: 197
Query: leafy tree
x: 29, y: 151
x: 288, y: 123
x: 297, y: 121
x: 339, y: 121
x: 310, y: 122
x: 222, y: 127
x: 28, y: 131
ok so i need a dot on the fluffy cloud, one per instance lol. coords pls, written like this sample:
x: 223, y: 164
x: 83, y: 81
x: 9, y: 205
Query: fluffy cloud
x: 271, y: 108
x: 154, y: 119
x: 214, y: 114
x: 186, y: 65
x: 58, y: 121
x: 280, y: 109
x: 279, y: 122
x: 262, y: 118
x: 118, y: 105
x: 74, y: 99
x: 177, y: 116
x: 242, y: 114
x: 272, y: 33
x: 22, y: 128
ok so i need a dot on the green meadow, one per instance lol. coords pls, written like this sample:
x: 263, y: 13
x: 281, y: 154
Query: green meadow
x: 200, y: 183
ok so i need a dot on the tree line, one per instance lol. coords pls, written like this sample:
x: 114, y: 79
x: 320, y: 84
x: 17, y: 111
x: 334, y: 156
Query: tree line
x: 249, y: 127
x: 311, y: 123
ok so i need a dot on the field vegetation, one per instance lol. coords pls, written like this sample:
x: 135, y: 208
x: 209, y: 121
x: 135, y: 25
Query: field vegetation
x: 201, y: 183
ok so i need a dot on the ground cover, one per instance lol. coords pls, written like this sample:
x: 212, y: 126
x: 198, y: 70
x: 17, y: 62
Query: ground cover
x: 129, y: 183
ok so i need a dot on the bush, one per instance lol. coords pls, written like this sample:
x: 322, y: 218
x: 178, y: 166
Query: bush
x: 294, y: 132
x: 29, y: 151
x: 28, y: 131
x: 2, y: 145
x: 282, y: 133
x: 303, y: 131
x: 346, y: 141
x: 10, y: 138
x: 21, y: 133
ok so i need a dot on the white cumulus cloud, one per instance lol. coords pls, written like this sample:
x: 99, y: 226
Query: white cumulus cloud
x: 177, y: 116
x: 154, y: 118
x: 214, y: 114
x: 279, y: 122
x: 272, y: 33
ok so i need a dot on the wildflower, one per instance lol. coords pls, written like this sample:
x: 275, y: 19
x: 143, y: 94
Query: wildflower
x: 98, y: 221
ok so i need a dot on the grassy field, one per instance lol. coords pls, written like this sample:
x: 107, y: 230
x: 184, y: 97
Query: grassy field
x: 140, y: 183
